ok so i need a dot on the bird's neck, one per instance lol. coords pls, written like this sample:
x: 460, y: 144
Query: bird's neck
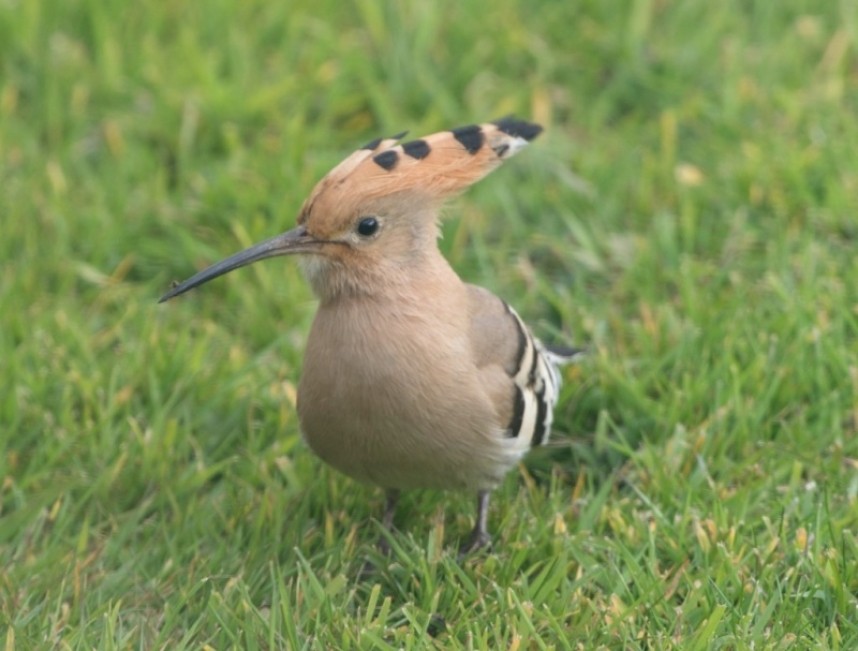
x: 335, y: 280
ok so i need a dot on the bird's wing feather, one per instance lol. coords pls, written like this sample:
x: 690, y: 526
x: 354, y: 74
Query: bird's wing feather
x: 496, y: 336
x: 520, y: 375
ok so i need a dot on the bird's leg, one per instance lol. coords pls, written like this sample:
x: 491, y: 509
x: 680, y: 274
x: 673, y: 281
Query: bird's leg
x: 391, y: 499
x: 479, y: 537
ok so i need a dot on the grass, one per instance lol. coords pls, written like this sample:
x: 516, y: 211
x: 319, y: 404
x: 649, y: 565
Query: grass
x: 689, y: 215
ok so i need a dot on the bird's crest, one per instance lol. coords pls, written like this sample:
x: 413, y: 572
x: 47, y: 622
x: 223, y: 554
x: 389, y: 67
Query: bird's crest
x: 428, y: 169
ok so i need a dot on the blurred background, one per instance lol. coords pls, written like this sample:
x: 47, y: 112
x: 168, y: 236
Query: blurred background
x: 689, y: 216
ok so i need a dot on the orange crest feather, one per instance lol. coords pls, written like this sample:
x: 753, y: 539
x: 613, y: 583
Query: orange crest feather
x: 429, y: 169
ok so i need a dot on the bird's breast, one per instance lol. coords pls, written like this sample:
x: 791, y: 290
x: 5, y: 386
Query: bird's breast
x: 389, y: 396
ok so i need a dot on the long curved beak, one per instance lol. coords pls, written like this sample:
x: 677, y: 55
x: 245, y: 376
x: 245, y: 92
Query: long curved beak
x: 295, y: 241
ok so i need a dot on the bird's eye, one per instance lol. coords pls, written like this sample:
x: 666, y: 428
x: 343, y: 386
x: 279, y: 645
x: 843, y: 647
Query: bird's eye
x: 367, y: 226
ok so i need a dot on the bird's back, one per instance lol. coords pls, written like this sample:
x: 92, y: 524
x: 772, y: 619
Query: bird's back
x: 504, y: 347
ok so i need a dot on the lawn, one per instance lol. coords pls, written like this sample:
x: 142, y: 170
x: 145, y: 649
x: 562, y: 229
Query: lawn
x: 690, y: 216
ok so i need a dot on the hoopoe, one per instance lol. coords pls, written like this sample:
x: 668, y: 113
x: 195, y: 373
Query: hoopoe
x: 412, y: 378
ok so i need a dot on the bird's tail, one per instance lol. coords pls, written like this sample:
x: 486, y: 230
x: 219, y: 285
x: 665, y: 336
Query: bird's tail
x: 560, y: 355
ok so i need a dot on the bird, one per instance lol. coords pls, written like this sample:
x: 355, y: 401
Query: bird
x: 412, y: 378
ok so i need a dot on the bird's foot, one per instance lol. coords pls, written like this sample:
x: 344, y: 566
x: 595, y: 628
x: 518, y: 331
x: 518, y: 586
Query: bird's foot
x: 477, y: 540
x: 369, y: 569
x: 383, y: 545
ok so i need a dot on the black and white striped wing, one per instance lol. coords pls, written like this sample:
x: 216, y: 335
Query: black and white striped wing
x: 537, y: 385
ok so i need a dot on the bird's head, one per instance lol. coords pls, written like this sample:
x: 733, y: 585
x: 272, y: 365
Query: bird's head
x: 375, y: 214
